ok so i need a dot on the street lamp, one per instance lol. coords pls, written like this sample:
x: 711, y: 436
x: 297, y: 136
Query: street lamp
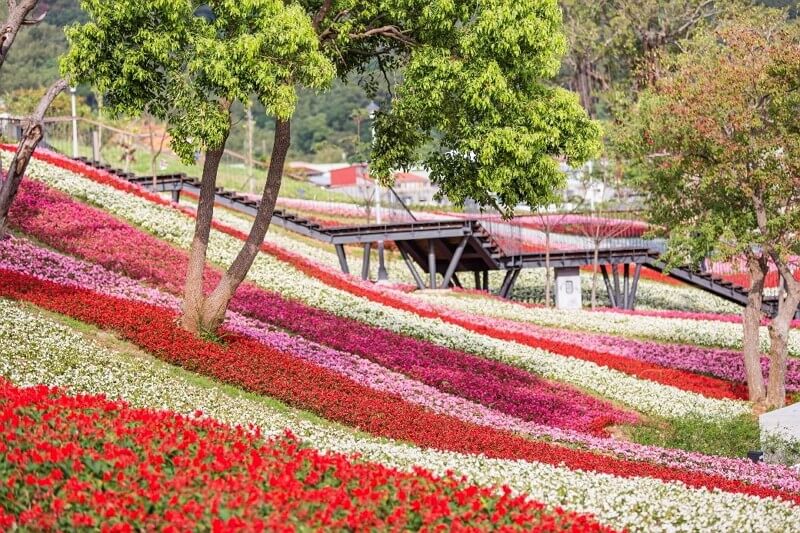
x: 383, y: 275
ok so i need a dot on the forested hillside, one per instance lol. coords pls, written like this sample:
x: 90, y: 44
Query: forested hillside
x: 335, y: 126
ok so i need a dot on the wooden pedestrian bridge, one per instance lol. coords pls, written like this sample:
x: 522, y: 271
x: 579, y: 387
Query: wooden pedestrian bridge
x: 445, y: 249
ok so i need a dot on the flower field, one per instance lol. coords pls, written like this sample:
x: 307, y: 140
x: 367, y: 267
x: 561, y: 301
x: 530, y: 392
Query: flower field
x: 403, y: 410
x: 200, y: 473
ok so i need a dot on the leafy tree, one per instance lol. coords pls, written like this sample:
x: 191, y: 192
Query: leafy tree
x: 718, y: 145
x: 586, y: 67
x: 158, y: 57
x: 473, y: 99
x: 472, y: 89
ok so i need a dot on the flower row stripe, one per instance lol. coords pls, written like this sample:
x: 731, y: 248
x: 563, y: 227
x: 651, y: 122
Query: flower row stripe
x: 57, y: 221
x: 157, y: 469
x: 254, y: 367
x: 21, y: 256
x: 34, y: 349
x: 169, y: 224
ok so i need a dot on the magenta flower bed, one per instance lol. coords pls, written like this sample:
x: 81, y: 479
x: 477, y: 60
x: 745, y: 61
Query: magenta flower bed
x: 725, y: 364
x: 94, y: 235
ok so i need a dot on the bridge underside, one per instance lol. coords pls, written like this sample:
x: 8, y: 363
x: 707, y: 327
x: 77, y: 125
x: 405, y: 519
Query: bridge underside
x: 445, y: 249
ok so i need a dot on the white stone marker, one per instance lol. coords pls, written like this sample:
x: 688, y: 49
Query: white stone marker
x: 780, y: 425
x: 568, y: 288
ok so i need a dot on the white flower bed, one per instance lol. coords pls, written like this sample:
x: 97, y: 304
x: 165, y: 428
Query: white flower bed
x: 674, y: 330
x: 37, y: 350
x: 174, y: 226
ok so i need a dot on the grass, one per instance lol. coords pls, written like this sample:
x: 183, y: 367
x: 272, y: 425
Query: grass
x: 130, y: 352
x: 730, y: 438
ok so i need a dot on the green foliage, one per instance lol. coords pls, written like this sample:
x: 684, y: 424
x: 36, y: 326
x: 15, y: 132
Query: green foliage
x: 158, y: 57
x: 730, y: 438
x: 22, y: 102
x: 474, y: 88
x: 717, y: 136
x: 33, y: 60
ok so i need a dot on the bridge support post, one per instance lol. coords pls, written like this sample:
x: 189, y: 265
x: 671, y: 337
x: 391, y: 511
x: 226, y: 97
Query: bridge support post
x: 626, y: 274
x: 432, y: 263
x: 451, y: 268
x: 342, y: 258
x: 486, y: 280
x: 456, y: 282
x: 509, y: 281
x: 365, y: 261
x: 417, y: 278
x: 617, y: 292
x: 477, y: 279
x: 634, y: 286
x: 176, y: 196
x: 609, y: 289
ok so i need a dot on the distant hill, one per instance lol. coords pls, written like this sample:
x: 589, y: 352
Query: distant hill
x: 326, y: 128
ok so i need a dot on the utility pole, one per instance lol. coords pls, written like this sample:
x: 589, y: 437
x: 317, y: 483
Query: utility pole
x: 251, y: 184
x: 72, y: 91
x: 383, y: 275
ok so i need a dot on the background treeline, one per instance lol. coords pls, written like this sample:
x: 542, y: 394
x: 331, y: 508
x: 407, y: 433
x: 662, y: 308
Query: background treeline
x: 613, y: 50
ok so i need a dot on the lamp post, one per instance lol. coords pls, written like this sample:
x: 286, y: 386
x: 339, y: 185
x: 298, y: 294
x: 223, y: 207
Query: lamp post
x: 383, y: 275
x: 72, y: 91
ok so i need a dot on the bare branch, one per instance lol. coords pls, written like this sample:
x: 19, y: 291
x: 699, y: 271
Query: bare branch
x: 55, y: 89
x: 392, y: 32
x: 34, y: 21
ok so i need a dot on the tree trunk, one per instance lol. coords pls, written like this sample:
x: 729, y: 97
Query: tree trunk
x: 788, y: 301
x: 595, y: 261
x: 751, y: 323
x: 216, y: 304
x: 584, y: 84
x: 193, y: 297
x: 17, y: 17
x: 33, y: 134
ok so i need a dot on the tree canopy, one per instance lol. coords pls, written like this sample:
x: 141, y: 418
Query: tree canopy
x: 475, y: 87
x: 718, y: 131
x: 160, y: 58
x: 717, y: 141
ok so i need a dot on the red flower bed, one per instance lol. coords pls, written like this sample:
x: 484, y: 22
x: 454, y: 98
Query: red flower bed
x: 71, y: 462
x: 255, y: 367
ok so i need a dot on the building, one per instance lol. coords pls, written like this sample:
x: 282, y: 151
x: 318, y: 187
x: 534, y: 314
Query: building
x: 354, y: 180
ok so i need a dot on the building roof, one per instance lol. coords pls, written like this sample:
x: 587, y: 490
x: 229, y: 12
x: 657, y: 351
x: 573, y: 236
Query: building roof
x: 409, y: 177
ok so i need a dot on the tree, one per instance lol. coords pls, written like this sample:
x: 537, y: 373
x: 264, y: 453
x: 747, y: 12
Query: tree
x: 586, y: 25
x: 643, y: 29
x: 718, y: 146
x: 33, y: 132
x: 159, y: 58
x: 474, y: 106
x: 472, y: 83
x: 20, y: 13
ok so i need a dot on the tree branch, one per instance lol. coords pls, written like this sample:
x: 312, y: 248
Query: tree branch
x: 392, y: 32
x: 321, y: 14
